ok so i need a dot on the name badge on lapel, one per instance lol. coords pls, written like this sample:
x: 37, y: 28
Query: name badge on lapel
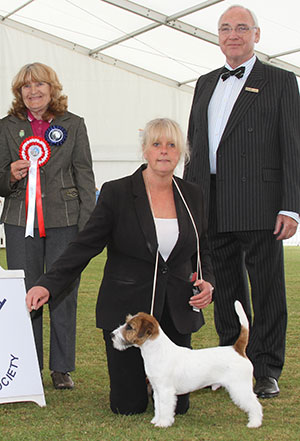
x: 251, y: 89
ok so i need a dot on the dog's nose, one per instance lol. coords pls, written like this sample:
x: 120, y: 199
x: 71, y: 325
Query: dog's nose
x: 112, y: 334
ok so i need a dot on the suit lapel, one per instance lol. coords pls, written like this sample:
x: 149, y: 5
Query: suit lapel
x: 145, y: 217
x: 202, y: 101
x: 60, y: 121
x: 183, y: 224
x: 143, y: 211
x: 19, y: 130
x: 256, y: 82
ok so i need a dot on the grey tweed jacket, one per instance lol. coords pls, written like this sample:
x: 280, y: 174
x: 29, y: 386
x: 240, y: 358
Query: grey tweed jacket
x: 67, y: 179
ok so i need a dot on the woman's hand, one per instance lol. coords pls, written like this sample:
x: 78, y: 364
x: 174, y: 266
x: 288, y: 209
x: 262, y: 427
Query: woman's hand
x: 37, y: 297
x: 204, y: 298
x: 18, y: 170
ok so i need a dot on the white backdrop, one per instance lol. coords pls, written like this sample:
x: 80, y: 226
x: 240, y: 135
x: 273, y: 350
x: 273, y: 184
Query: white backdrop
x: 115, y: 103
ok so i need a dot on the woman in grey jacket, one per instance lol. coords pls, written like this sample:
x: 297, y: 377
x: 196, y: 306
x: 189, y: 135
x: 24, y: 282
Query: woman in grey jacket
x: 48, y: 183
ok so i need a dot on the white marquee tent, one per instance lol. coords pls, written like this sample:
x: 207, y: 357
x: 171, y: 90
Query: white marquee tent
x: 123, y: 63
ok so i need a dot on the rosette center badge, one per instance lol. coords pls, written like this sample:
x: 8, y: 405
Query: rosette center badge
x: 35, y: 151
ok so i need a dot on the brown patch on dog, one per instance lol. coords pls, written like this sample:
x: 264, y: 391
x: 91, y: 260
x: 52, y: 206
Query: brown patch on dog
x: 139, y: 328
x: 242, y: 342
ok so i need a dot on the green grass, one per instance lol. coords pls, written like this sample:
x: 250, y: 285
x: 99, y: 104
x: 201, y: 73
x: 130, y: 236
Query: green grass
x: 84, y: 414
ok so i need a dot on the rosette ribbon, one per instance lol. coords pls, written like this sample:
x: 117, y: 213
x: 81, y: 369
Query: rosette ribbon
x: 37, y: 151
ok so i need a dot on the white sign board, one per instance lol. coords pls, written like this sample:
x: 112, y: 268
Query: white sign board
x: 20, y: 378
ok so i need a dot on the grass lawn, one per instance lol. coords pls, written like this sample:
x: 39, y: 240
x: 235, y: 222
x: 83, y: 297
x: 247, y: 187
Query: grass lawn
x: 84, y: 414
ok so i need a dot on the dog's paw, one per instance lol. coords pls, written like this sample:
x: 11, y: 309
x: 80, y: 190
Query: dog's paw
x: 154, y: 420
x: 163, y: 422
x: 215, y: 386
x: 254, y: 423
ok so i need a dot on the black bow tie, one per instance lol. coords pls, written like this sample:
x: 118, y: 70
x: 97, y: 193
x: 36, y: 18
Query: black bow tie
x: 226, y: 73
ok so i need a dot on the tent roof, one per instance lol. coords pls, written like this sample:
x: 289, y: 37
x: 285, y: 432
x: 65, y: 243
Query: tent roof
x: 173, y: 41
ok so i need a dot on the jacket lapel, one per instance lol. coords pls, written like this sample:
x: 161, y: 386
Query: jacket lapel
x: 202, y: 101
x: 145, y: 217
x: 19, y: 130
x: 250, y: 92
x: 143, y: 210
x: 60, y: 121
x: 183, y: 224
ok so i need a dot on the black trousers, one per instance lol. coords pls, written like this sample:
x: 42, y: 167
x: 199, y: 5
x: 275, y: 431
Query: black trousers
x: 255, y: 257
x: 128, y: 388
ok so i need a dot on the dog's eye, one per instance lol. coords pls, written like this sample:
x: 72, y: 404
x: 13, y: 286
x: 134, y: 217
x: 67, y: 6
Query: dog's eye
x: 128, y: 327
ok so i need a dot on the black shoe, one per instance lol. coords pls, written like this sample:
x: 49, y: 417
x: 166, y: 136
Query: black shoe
x: 62, y: 380
x: 266, y: 387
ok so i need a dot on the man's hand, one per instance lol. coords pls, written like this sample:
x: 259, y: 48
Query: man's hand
x: 285, y: 227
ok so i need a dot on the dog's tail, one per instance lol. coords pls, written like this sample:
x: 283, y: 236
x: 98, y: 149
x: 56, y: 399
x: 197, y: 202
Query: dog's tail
x: 242, y: 342
x: 241, y: 313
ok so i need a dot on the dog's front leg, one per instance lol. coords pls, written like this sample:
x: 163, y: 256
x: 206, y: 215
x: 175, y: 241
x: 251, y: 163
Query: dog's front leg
x: 164, y: 406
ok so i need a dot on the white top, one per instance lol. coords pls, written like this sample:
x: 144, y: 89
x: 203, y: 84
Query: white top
x: 167, y: 234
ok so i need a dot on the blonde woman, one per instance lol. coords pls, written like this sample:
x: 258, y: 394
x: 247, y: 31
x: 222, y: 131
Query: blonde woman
x: 142, y: 219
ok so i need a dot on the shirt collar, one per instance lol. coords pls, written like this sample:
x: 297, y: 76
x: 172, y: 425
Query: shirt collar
x: 31, y: 118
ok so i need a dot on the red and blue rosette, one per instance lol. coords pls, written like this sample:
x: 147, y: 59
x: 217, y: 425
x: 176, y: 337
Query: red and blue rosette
x: 56, y: 135
x: 36, y: 150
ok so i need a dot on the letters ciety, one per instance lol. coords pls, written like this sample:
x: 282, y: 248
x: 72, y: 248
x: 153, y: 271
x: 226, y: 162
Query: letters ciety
x: 10, y: 374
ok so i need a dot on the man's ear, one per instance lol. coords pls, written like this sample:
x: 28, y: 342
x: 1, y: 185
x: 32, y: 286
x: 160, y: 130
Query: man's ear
x: 257, y: 35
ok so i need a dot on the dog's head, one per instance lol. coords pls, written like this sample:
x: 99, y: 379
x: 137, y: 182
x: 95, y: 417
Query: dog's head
x: 135, y: 331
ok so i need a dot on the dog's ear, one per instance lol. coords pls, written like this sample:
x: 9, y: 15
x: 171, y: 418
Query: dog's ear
x: 146, y: 328
x: 128, y: 317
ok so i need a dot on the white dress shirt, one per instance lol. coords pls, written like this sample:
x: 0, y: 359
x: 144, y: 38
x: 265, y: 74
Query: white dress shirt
x: 220, y: 107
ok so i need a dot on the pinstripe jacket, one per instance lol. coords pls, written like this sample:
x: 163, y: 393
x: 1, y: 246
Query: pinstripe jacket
x: 258, y: 158
x: 67, y: 180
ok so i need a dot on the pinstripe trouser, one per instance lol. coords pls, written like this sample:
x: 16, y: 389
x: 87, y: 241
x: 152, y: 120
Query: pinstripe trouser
x: 252, y: 258
x: 35, y: 256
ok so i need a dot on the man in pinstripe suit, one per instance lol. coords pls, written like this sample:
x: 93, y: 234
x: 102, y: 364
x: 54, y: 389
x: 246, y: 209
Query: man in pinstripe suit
x: 244, y: 135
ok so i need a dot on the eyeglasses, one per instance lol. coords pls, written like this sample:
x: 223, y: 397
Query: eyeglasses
x: 240, y: 29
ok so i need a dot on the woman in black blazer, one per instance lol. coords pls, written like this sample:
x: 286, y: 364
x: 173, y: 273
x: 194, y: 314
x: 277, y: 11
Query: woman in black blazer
x: 134, y: 217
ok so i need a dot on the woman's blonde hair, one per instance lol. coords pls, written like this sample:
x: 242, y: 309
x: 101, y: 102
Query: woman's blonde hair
x: 38, y: 72
x: 164, y: 126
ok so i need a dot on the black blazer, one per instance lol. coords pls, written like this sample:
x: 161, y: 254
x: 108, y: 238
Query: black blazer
x: 259, y: 153
x: 122, y: 221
